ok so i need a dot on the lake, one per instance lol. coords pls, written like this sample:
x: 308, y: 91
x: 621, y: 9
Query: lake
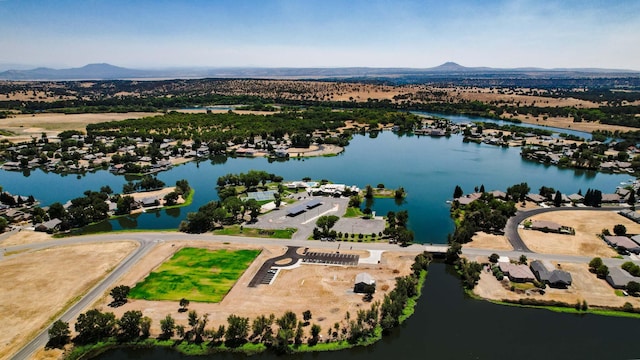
x: 428, y: 168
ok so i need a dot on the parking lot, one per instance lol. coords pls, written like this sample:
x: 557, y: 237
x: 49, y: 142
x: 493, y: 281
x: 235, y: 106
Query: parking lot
x: 305, y: 221
x: 330, y: 258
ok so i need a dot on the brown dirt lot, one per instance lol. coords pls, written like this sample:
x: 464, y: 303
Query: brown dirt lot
x: 586, y: 286
x: 28, y: 296
x: 489, y: 241
x: 25, y: 237
x: 585, y: 242
x: 325, y: 290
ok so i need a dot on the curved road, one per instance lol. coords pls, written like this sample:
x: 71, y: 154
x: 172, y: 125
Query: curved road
x: 511, y: 229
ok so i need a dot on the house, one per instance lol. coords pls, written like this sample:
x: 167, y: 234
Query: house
x: 516, y: 273
x: 546, y: 273
x: 468, y: 199
x: 576, y: 198
x: 536, y: 198
x: 611, y: 198
x: 149, y: 201
x: 363, y: 283
x: 49, y: 226
x: 618, y: 278
x: 622, y: 243
x: 550, y: 226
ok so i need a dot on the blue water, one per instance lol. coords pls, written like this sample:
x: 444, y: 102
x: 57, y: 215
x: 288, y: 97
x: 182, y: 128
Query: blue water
x: 428, y: 168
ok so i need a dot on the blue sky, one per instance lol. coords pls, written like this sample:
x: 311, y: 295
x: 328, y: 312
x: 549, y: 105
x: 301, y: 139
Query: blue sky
x: 326, y: 33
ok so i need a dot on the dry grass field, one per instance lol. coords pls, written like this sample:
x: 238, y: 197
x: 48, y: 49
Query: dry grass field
x: 36, y: 286
x: 585, y: 242
x: 482, y: 240
x: 24, y: 127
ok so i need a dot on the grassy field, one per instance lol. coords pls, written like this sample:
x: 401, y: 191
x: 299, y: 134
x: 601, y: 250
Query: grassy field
x: 195, y: 274
x: 236, y: 230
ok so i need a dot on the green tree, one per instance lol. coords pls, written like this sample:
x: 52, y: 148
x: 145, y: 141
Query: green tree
x: 594, y: 264
x: 368, y: 192
x: 119, y: 295
x: 3, y: 224
x: 523, y: 259
x: 237, y: 330
x: 167, y: 326
x: 457, y: 192
x: 315, y: 334
x: 620, y: 230
x: 493, y: 258
x: 184, y: 304
x: 557, y: 199
x: 306, y: 316
x: 326, y: 222
x: 94, y: 326
x: 59, y: 334
x: 129, y: 325
x: 602, y: 271
x: 633, y: 287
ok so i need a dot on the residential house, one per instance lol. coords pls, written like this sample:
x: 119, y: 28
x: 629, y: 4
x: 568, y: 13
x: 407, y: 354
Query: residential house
x: 546, y: 273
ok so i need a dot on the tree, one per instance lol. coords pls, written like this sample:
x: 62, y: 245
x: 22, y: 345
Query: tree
x: 457, y: 192
x: 523, y: 259
x: 237, y: 330
x: 326, y: 222
x: 493, y: 258
x: 94, y: 326
x: 119, y: 295
x: 400, y: 193
x: 620, y: 230
x: 306, y: 316
x: 632, y: 198
x: 315, y: 334
x: 594, y: 264
x: 633, y: 287
x: 3, y: 224
x: 129, y: 325
x: 167, y: 326
x: 184, y: 304
x: 557, y: 199
x: 59, y: 334
x: 602, y: 271
x: 368, y: 192
x: 277, y: 200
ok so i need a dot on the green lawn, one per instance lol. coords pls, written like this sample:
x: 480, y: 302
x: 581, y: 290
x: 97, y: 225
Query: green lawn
x: 195, y: 274
x: 235, y: 230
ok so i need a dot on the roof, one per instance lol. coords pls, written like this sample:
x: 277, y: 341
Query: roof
x: 540, y: 270
x: 542, y: 224
x: 536, y: 197
x: 313, y: 203
x: 610, y: 198
x: 621, y: 241
x: 365, y: 278
x: 515, y: 271
x: 618, y: 278
x: 296, y: 210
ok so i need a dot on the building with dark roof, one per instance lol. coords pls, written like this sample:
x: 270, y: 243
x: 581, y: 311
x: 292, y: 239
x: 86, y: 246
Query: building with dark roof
x: 618, y: 278
x: 546, y: 273
x: 364, y: 282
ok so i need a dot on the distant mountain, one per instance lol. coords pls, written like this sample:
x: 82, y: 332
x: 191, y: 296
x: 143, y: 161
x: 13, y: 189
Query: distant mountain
x: 87, y: 72
x: 446, y: 70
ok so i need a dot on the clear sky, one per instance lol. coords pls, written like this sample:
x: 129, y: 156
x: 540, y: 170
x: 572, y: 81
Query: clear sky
x: 322, y: 33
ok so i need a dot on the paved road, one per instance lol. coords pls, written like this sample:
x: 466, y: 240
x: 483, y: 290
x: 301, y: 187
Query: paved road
x: 511, y: 229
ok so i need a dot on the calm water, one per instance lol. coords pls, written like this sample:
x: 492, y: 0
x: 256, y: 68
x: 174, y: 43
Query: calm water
x: 449, y: 325
x: 428, y: 168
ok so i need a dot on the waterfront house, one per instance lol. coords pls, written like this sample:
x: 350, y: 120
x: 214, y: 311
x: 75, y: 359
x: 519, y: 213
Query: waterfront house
x: 546, y: 273
x: 49, y: 226
x: 618, y: 278
x: 516, y: 272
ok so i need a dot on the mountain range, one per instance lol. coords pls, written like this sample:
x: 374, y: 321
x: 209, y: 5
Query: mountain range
x: 448, y: 69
